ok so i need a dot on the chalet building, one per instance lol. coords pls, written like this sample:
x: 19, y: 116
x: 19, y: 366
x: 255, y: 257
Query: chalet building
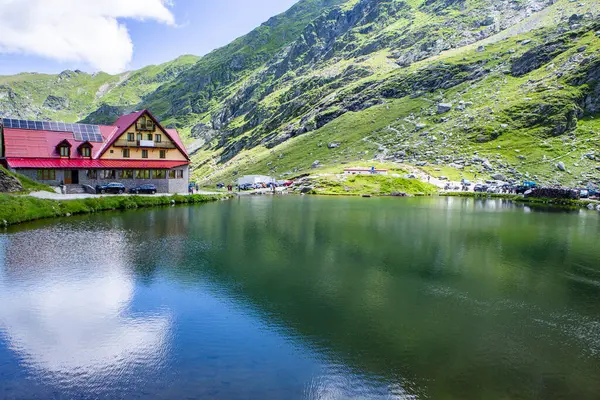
x: 135, y: 150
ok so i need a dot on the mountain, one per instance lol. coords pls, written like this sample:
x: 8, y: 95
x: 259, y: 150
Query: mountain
x: 504, y: 88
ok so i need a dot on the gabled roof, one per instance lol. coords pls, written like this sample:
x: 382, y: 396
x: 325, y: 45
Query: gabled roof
x: 126, y: 121
x: 64, y: 143
x: 21, y: 143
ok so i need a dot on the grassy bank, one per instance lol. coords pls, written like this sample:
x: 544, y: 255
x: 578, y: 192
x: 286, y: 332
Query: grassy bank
x: 522, y: 199
x: 376, y: 185
x: 18, y: 209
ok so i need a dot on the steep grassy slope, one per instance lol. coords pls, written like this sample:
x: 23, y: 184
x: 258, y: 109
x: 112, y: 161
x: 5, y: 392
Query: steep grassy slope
x: 457, y: 87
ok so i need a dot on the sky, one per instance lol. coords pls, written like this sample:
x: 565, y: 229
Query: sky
x: 50, y: 36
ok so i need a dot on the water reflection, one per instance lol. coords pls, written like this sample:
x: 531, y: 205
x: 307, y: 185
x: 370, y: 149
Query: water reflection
x: 312, y: 298
x: 68, y: 315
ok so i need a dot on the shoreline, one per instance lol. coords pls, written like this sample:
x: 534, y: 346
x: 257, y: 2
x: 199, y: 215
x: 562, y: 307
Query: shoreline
x: 17, y: 209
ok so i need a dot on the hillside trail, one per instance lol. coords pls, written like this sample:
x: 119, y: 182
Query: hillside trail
x: 425, y: 177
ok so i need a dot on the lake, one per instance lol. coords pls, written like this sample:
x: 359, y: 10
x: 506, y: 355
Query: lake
x: 304, y: 298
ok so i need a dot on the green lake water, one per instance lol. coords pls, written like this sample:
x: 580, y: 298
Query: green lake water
x: 304, y: 298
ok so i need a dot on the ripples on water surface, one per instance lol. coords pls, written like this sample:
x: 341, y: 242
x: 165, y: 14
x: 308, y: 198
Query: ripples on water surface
x: 311, y: 298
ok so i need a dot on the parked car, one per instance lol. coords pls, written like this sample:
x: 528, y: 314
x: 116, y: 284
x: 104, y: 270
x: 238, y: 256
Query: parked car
x: 246, y: 186
x: 480, y: 188
x: 114, y: 188
x: 220, y: 185
x: 584, y: 193
x: 465, y: 182
x: 521, y: 189
x: 146, y: 189
x: 288, y: 183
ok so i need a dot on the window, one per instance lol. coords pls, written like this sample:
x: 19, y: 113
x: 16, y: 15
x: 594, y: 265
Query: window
x: 145, y: 124
x: 142, y: 174
x: 108, y: 174
x: 46, y: 175
x: 139, y: 137
x: 172, y: 174
x: 65, y: 151
x: 144, y: 153
x: 126, y: 174
x: 125, y: 153
x: 157, y: 138
x: 159, y: 174
x: 179, y: 174
x: 92, y: 174
x: 86, y: 152
x: 163, y: 154
x: 149, y: 136
x: 131, y: 137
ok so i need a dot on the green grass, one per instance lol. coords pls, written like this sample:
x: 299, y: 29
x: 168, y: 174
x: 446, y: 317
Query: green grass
x: 29, y: 185
x: 377, y: 185
x: 16, y: 209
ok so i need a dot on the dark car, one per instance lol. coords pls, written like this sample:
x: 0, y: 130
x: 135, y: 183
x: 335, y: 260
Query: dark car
x: 146, y: 189
x: 480, y: 188
x: 220, y: 185
x: 114, y: 188
x: 246, y: 186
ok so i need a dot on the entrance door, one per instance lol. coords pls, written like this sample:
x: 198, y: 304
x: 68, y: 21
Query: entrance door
x: 68, y: 179
x: 75, y: 177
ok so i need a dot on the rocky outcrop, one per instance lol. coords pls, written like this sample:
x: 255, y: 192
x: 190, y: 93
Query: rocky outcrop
x: 8, y: 183
x: 56, y: 103
x: 537, y: 57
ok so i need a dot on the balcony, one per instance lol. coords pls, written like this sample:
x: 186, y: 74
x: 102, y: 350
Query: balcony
x: 144, y: 144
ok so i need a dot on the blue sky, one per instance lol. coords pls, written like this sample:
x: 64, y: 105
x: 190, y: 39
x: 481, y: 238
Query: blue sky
x: 182, y: 27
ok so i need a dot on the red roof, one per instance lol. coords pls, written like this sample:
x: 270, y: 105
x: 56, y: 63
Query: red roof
x: 65, y: 163
x: 30, y: 143
x: 126, y: 121
x: 27, y: 143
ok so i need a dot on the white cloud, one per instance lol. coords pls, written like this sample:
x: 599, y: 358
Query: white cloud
x: 77, y: 30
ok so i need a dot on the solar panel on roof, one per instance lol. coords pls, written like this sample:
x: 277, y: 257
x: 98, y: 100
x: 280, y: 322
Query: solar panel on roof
x: 81, y: 132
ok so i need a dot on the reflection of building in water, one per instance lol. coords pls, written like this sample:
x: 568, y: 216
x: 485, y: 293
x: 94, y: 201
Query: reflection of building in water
x: 73, y: 321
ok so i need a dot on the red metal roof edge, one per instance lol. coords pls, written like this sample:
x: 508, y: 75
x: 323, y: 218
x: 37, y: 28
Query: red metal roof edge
x: 60, y: 163
x: 129, y: 124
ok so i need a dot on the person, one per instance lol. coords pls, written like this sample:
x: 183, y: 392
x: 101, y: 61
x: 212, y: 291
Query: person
x: 197, y: 188
x: 191, y: 189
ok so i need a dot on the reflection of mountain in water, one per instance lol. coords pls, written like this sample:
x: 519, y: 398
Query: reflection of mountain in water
x: 74, y: 321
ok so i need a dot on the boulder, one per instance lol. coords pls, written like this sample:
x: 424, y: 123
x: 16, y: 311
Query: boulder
x: 487, y: 165
x: 443, y: 108
x: 8, y: 183
x: 333, y: 145
x: 487, y: 21
x: 499, y: 177
x: 316, y: 164
x: 561, y: 166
